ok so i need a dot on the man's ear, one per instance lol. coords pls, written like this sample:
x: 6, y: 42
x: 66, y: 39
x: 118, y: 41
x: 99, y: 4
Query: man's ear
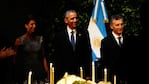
x: 65, y: 20
x: 111, y: 27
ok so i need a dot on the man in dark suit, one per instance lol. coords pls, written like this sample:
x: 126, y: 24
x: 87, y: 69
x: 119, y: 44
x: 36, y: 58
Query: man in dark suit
x: 117, y: 51
x: 69, y: 57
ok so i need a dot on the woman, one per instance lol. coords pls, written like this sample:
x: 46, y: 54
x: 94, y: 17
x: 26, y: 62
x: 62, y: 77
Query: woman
x: 29, y: 55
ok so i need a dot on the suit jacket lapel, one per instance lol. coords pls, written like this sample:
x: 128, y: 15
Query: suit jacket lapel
x: 114, y: 40
x: 66, y: 36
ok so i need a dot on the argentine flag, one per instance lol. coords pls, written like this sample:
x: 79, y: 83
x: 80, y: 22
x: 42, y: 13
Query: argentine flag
x: 96, y: 28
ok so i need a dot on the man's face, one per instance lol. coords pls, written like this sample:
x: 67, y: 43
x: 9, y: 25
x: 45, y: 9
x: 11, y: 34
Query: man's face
x: 117, y: 26
x: 71, y: 20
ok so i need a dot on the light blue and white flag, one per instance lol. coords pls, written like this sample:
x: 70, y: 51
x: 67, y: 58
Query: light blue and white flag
x: 97, y: 28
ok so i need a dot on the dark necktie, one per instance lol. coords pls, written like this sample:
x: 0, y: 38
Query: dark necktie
x: 119, y: 41
x: 72, y: 40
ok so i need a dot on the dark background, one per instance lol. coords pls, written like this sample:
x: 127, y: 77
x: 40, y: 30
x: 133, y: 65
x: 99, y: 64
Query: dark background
x: 13, y: 11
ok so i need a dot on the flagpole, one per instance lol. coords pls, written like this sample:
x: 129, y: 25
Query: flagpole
x: 95, y: 10
x: 104, y: 12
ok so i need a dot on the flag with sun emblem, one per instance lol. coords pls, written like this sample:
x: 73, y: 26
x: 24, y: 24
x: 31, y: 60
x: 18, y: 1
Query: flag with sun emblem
x: 97, y: 28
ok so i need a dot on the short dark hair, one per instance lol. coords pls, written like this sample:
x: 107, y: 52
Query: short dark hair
x: 68, y: 11
x: 115, y: 17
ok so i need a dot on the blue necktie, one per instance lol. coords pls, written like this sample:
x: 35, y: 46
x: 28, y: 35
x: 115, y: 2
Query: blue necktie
x: 72, y: 40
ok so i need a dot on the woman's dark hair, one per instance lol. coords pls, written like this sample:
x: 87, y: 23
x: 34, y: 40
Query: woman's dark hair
x: 29, y: 17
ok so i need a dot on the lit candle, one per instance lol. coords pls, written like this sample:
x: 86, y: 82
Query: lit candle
x: 81, y: 72
x: 114, y: 79
x: 93, y: 72
x: 65, y: 76
x: 51, y: 73
x: 29, y: 77
x: 105, y: 75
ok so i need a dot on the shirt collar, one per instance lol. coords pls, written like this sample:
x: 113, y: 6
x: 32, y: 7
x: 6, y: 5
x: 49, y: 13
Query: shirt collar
x: 116, y: 36
x: 70, y: 30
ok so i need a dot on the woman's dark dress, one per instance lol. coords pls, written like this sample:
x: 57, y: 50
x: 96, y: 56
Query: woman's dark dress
x: 29, y: 58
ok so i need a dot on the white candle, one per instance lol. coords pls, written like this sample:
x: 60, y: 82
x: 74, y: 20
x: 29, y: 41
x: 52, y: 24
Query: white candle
x: 51, y: 73
x: 93, y: 72
x: 81, y: 72
x: 29, y: 77
x: 65, y: 76
x: 114, y: 79
x: 105, y: 75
